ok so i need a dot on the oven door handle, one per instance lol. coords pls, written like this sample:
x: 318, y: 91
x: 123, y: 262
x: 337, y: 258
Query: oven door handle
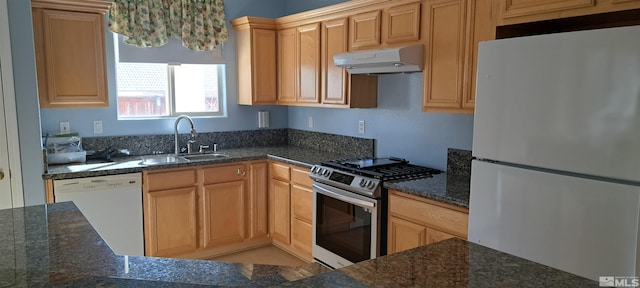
x: 351, y: 200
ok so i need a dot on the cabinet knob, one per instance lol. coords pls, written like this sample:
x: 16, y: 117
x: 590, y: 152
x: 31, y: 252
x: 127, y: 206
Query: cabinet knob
x: 241, y: 173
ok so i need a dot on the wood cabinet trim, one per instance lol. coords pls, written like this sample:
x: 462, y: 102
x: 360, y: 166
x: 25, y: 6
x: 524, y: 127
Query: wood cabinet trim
x: 91, y: 6
x: 510, y: 8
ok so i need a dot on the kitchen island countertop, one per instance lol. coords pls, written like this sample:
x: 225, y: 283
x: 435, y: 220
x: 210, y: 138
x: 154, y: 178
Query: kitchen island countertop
x: 55, y: 246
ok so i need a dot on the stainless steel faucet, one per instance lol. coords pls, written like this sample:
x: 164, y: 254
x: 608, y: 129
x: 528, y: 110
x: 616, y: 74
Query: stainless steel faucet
x: 175, y: 130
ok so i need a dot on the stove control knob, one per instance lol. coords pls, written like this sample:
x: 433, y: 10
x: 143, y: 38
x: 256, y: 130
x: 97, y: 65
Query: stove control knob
x: 371, y: 184
x: 325, y: 172
x: 363, y: 182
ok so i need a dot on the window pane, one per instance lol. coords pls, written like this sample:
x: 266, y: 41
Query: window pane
x: 142, y: 90
x: 196, y: 88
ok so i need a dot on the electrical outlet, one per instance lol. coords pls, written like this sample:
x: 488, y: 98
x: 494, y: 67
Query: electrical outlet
x: 361, y: 127
x: 65, y: 127
x: 97, y: 127
x: 310, y: 122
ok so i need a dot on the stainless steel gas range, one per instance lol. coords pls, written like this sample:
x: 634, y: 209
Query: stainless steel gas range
x: 350, y: 207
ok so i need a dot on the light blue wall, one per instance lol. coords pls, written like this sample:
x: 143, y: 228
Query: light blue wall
x: 398, y: 124
x: 239, y: 117
x: 24, y: 74
x: 296, y: 6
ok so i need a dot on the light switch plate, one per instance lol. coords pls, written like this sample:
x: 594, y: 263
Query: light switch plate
x: 97, y: 127
x: 65, y: 127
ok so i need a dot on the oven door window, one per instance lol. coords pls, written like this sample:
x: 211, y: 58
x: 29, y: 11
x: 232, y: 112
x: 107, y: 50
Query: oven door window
x: 343, y: 228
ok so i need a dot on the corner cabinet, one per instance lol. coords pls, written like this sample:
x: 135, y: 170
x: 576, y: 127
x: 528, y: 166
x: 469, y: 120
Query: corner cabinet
x: 415, y: 221
x: 70, y: 53
x: 291, y: 200
x: 256, y: 48
x: 205, y: 211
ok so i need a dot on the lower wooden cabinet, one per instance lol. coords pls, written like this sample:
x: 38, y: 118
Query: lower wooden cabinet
x: 205, y: 211
x: 415, y: 221
x: 171, y: 221
x: 291, y: 199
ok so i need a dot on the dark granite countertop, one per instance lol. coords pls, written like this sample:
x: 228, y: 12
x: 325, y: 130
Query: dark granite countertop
x: 290, y: 154
x: 55, y: 246
x: 447, y: 188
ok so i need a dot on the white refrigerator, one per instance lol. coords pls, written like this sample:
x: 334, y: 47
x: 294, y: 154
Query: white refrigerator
x: 557, y: 141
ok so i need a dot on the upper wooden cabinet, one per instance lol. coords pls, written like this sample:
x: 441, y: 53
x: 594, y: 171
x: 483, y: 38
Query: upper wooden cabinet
x: 299, y: 65
x: 69, y: 44
x: 453, y: 30
x: 340, y: 89
x: 365, y: 30
x: 445, y: 25
x: 523, y: 11
x: 256, y: 40
x: 390, y: 26
x: 401, y: 24
x: 309, y: 63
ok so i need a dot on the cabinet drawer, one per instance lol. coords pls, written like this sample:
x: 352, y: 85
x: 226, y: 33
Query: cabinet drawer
x: 301, y: 238
x: 438, y: 217
x: 220, y: 174
x: 171, y: 179
x: 302, y: 203
x: 280, y: 171
x: 300, y: 176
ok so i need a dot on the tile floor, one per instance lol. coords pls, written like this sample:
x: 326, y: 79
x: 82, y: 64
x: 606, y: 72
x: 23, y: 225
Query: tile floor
x: 268, y: 255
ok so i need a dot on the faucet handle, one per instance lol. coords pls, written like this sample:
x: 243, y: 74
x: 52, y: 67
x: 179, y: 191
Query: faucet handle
x: 215, y: 147
x: 190, y: 146
x: 202, y: 147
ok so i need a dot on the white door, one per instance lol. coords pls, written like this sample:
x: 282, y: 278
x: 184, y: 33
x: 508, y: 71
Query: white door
x: 10, y: 173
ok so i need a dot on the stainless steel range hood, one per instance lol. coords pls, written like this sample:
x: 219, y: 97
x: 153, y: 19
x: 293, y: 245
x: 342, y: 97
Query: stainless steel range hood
x: 379, y: 61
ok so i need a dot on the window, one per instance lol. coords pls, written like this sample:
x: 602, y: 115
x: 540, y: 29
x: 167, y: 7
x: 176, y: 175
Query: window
x: 151, y: 83
x: 152, y: 90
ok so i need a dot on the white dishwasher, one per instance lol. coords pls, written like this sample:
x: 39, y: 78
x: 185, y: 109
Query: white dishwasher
x: 112, y: 204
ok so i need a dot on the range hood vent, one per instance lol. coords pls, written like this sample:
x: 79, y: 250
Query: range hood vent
x: 379, y: 61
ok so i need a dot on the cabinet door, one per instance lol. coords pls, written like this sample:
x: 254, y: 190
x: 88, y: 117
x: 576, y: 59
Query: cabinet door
x: 258, y: 200
x: 301, y: 203
x: 287, y: 66
x: 404, y: 235
x: 280, y: 217
x: 434, y: 236
x: 224, y: 213
x: 309, y: 63
x: 301, y: 238
x: 444, y: 21
x: 364, y: 30
x: 257, y: 66
x: 401, y: 24
x: 334, y: 79
x: 70, y: 58
x: 170, y: 222
x: 481, y: 28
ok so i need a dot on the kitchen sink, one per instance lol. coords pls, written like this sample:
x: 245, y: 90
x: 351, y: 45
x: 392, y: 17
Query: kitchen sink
x: 162, y: 159
x: 204, y: 157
